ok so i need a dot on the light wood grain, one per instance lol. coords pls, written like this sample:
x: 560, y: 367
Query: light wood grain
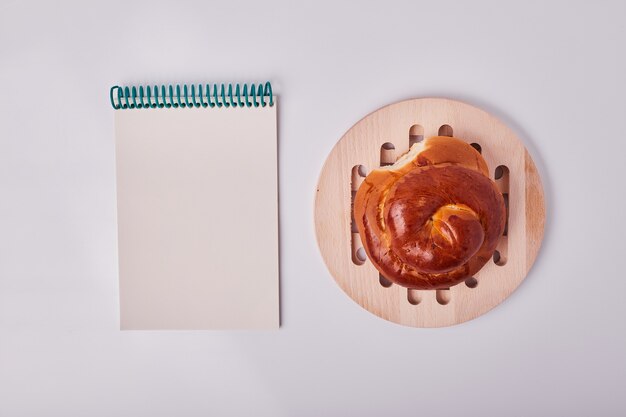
x: 361, y: 145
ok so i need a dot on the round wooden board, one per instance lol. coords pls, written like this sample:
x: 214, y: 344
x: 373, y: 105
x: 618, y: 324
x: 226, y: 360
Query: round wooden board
x: 397, y: 124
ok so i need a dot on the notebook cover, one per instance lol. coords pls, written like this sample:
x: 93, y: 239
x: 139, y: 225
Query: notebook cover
x: 197, y: 218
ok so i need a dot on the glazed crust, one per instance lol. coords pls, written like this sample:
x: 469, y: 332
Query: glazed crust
x: 433, y: 218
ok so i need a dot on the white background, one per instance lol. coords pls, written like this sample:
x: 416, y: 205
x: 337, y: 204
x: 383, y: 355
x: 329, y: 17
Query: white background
x: 554, y: 71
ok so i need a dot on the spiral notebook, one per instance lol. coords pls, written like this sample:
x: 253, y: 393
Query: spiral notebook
x: 197, y: 206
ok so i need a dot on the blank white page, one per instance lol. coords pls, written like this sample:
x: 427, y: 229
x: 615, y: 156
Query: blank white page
x: 197, y: 218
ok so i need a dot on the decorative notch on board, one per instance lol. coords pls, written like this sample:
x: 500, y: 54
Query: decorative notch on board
x: 384, y: 281
x: 359, y: 172
x: 501, y: 176
x: 477, y: 147
x: 446, y: 130
x: 387, y: 157
x: 443, y: 296
x: 387, y: 154
x: 413, y: 296
x: 416, y: 134
x: 471, y: 282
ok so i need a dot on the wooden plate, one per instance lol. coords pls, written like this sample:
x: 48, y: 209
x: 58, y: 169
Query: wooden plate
x: 379, y: 139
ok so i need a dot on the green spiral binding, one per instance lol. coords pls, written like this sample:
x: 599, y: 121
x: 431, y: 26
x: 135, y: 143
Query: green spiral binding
x: 242, y: 95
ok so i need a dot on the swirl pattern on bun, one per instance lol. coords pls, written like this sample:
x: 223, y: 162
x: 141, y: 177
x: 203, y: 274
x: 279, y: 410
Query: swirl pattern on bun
x: 433, y: 218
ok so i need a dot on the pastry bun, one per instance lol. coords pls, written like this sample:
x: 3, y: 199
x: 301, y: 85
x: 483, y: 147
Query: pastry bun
x: 433, y: 218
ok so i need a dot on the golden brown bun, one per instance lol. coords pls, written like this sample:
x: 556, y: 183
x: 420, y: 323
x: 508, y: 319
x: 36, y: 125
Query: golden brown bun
x: 433, y: 218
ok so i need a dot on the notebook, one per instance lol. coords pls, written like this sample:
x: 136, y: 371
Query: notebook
x: 197, y: 206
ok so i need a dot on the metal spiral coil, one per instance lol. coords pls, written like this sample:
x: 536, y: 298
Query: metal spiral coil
x: 188, y: 96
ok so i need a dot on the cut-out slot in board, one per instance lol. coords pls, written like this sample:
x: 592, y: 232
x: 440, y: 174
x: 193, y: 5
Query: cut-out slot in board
x: 502, y: 179
x: 414, y: 297
x: 361, y: 145
x: 357, y: 252
x: 443, y: 296
x: 501, y: 253
x: 477, y: 147
x: 387, y: 154
x: 471, y: 282
x: 446, y: 130
x: 416, y: 134
x: 358, y: 257
x: 384, y: 281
